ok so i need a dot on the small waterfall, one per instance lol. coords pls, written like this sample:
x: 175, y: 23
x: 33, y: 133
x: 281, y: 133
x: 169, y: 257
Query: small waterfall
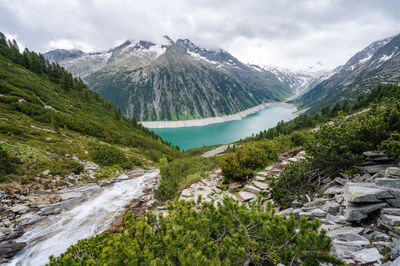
x: 88, y: 217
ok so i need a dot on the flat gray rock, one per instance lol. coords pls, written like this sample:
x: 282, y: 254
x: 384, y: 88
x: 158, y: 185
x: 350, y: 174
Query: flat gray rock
x: 245, y: 196
x: 263, y: 173
x: 392, y: 172
x: 388, y: 182
x: 373, y: 169
x: 260, y: 178
x: 361, y: 192
x: 333, y: 190
x: 331, y: 207
x: 260, y: 185
x: 367, y: 255
x: 357, y: 212
x: 19, y: 208
x: 392, y: 220
x: 252, y: 189
x: 391, y: 211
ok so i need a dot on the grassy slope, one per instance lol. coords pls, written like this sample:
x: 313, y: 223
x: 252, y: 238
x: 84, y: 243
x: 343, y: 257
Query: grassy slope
x: 81, y: 118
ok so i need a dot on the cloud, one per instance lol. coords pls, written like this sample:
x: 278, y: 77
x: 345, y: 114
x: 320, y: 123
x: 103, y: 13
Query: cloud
x: 264, y: 32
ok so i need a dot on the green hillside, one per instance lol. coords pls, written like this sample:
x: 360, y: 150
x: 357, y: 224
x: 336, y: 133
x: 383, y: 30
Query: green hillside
x: 46, y: 116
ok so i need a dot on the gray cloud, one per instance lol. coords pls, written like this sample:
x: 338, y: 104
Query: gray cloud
x: 273, y: 32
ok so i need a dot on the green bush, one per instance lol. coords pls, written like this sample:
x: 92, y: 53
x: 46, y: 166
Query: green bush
x: 175, y: 173
x: 106, y: 155
x: 239, y: 166
x: 75, y: 167
x: 293, y: 183
x: 7, y: 164
x: 232, y: 170
x: 391, y: 146
x: 229, y: 235
x: 298, y: 138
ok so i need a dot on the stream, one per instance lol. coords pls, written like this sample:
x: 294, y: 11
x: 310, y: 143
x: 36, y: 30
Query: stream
x: 86, y: 211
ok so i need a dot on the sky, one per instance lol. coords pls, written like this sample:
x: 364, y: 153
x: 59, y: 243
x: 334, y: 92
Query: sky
x: 298, y: 34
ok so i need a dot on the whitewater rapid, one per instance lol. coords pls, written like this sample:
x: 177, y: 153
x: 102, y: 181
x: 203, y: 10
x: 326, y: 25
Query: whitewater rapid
x: 89, y: 216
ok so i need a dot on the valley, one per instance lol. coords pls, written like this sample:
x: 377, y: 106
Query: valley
x: 243, y: 145
x: 224, y: 132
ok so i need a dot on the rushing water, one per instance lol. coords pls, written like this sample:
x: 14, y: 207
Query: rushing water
x: 88, y: 217
x: 226, y: 132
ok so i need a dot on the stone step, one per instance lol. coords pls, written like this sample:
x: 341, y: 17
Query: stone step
x: 293, y: 159
x: 263, y: 173
x: 269, y: 167
x: 260, y: 185
x: 252, y: 189
x: 260, y: 178
x: 245, y: 196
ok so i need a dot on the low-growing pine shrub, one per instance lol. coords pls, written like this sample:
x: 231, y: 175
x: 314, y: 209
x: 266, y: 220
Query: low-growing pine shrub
x: 293, y: 183
x: 106, y: 155
x: 231, y: 234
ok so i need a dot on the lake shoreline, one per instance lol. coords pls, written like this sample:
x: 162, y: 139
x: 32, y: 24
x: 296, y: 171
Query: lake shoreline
x: 219, y: 119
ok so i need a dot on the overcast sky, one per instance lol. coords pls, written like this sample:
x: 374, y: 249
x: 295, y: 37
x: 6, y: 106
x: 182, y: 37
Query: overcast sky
x: 292, y: 33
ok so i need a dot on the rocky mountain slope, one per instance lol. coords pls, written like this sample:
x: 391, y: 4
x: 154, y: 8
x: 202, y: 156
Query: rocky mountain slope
x: 173, y: 80
x: 377, y: 63
x: 299, y: 81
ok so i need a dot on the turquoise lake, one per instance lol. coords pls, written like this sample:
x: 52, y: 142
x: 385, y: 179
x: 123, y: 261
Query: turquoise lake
x: 225, y: 132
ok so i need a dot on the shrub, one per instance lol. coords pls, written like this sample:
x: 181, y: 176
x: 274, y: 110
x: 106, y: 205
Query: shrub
x: 240, y: 165
x: 298, y: 138
x: 75, y: 167
x: 293, y: 183
x: 7, y: 164
x: 106, y: 155
x: 251, y: 156
x: 336, y: 146
x: 391, y: 146
x: 178, y: 171
x: 232, y: 234
x: 232, y: 170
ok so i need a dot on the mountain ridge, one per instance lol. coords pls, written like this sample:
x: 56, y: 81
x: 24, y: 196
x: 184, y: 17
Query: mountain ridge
x: 175, y: 80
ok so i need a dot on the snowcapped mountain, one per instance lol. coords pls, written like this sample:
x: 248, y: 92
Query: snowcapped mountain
x: 299, y: 81
x: 173, y: 80
x: 378, y: 63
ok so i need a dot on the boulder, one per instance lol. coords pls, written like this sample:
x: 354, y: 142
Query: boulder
x: 263, y: 173
x: 361, y: 192
x: 374, y: 154
x: 392, y: 172
x: 341, y: 181
x: 260, y: 185
x: 333, y: 191
x: 373, y: 169
x: 186, y: 193
x: 395, y: 252
x: 317, y: 213
x: 391, y: 220
x: 367, y: 255
x: 388, y: 182
x: 19, y: 208
x: 245, y: 196
x: 331, y: 207
x: 391, y: 211
x: 316, y: 203
x: 394, y: 202
x: 9, y: 248
x: 260, y: 178
x: 357, y: 212
x: 252, y: 189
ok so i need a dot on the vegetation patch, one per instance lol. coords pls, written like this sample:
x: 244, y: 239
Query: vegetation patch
x: 232, y: 234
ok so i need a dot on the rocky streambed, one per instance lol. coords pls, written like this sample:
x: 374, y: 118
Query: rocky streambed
x: 35, y: 226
